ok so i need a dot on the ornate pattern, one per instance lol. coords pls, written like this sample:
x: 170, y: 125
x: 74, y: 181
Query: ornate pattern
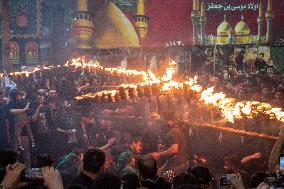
x: 38, y: 25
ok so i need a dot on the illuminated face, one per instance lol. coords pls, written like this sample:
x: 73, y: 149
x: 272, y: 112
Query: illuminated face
x: 40, y: 99
x: 137, y: 147
x: 52, y: 93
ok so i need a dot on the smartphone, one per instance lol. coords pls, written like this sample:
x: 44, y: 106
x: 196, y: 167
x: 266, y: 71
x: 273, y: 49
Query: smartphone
x: 225, y: 181
x: 281, y: 162
x: 32, y: 175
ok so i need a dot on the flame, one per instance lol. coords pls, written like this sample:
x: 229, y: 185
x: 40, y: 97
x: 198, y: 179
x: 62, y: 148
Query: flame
x: 230, y: 108
x: 81, y: 62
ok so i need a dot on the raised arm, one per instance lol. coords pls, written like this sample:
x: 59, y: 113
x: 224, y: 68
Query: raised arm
x: 172, y: 150
x: 250, y: 158
x: 19, y: 111
x: 36, y: 114
x: 276, y: 151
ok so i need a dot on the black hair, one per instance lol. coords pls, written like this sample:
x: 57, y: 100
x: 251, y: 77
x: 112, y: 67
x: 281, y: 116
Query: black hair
x: 13, y: 95
x: 107, y: 181
x: 147, y: 167
x: 136, y: 139
x: 183, y: 178
x: 201, y: 174
x: 130, y: 181
x: 94, y: 160
x: 232, y: 159
x: 188, y: 186
x: 78, y: 151
x: 8, y: 157
x: 44, y: 160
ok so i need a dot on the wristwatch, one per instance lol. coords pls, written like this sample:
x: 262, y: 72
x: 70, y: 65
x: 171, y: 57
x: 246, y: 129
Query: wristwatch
x: 2, y: 186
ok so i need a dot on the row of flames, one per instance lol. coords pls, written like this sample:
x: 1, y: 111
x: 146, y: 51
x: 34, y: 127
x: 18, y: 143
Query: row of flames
x: 230, y: 108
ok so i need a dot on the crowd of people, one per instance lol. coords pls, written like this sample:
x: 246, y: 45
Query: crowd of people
x: 150, y: 141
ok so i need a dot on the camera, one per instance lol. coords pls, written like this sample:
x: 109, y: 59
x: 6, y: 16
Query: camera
x: 225, y: 181
x: 32, y: 175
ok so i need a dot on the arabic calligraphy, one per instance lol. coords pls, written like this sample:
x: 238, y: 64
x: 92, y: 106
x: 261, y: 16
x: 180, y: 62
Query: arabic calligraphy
x: 174, y: 44
x: 124, y: 3
x: 230, y: 7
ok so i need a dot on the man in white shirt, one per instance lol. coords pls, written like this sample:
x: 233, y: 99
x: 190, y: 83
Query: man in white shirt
x: 7, y: 84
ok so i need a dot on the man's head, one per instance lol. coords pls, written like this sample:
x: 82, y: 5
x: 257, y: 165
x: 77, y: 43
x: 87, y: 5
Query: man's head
x: 94, y: 161
x: 136, y: 145
x: 126, y: 158
x: 231, y: 163
x: 15, y: 95
x: 201, y: 174
x: 40, y: 99
x: 130, y: 181
x: 7, y: 157
x: 52, y: 94
x: 79, y: 153
x: 183, y: 178
x: 107, y: 181
x: 261, y: 55
x: 44, y: 160
x: 147, y: 167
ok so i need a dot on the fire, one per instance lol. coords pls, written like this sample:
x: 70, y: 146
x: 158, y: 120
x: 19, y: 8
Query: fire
x: 28, y: 73
x: 81, y: 62
x: 230, y: 108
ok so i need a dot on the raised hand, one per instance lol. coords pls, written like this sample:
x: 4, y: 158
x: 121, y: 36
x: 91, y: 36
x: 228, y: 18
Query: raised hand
x: 12, y: 178
x: 52, y: 178
x: 111, y: 141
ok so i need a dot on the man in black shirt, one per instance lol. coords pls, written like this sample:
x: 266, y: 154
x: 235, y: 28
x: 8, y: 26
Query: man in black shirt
x: 93, y: 166
x: 260, y: 64
x: 39, y: 113
x: 148, y: 170
x: 4, y: 125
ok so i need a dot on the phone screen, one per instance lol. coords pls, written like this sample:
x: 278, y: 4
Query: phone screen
x: 281, y: 162
x: 32, y: 175
x: 225, y: 181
